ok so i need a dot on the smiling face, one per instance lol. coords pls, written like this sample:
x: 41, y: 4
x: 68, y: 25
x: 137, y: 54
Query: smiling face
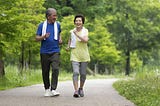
x: 78, y: 22
x: 51, y: 16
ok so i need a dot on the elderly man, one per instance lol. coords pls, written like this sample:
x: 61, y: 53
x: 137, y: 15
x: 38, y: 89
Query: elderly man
x: 48, y: 33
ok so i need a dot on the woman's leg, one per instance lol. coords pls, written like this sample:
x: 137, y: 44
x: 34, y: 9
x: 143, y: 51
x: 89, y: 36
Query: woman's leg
x: 75, y: 68
x: 83, y: 68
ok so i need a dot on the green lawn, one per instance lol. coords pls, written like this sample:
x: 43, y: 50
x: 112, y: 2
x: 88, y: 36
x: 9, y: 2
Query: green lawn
x: 143, y: 90
x: 13, y: 78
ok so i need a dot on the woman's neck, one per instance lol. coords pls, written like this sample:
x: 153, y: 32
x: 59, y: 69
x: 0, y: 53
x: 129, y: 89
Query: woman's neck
x: 79, y: 29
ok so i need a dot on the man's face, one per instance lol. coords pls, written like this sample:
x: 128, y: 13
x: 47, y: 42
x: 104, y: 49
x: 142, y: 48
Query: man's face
x: 52, y: 18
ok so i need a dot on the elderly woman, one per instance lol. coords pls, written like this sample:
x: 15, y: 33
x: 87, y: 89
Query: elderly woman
x: 79, y: 54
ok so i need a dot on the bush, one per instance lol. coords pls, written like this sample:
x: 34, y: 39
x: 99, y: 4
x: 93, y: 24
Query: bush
x: 144, y: 90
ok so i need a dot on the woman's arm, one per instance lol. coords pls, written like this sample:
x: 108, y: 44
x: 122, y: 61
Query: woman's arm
x: 68, y: 45
x: 83, y: 38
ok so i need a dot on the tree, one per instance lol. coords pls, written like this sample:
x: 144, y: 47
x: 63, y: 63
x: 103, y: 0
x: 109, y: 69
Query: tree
x: 71, y: 7
x: 103, y: 51
x: 67, y: 24
x: 63, y: 7
x: 18, y: 21
x: 134, y: 27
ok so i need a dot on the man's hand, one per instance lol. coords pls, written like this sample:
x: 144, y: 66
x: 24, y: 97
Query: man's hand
x: 47, y: 35
x: 60, y: 40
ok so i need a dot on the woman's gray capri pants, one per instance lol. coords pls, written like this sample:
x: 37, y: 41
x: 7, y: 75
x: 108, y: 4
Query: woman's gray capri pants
x: 79, y: 68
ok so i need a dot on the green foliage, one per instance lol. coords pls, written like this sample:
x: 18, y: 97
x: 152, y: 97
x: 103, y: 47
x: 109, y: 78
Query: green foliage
x: 67, y: 24
x: 114, y: 27
x: 144, y: 90
x: 134, y: 28
x: 102, y: 49
x: 136, y: 63
x: 13, y: 78
x: 137, y: 26
x: 72, y: 7
x: 90, y: 7
x: 18, y: 26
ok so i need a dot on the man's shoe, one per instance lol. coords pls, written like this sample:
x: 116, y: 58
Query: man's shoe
x: 80, y: 92
x: 55, y: 93
x: 76, y: 95
x: 47, y: 93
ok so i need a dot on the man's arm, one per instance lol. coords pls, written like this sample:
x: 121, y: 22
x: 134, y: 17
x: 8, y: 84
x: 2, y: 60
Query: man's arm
x: 40, y: 38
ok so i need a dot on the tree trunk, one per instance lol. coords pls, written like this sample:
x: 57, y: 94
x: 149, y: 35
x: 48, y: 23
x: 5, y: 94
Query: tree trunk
x: 89, y: 71
x: 22, y: 55
x: 128, y: 49
x: 21, y: 59
x: 29, y: 60
x: 96, y: 68
x: 106, y: 70
x: 128, y: 62
x: 2, y: 72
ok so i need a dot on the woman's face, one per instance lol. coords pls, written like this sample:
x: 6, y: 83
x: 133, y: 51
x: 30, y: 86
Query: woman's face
x: 78, y: 22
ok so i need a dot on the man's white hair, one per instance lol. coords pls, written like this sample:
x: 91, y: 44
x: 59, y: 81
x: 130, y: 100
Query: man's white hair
x: 49, y: 11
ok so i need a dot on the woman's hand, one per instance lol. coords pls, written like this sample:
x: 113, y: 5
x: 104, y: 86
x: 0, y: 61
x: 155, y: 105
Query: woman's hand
x: 67, y: 48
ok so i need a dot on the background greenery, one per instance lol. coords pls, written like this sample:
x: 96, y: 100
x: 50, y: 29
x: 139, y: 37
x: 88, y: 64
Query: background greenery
x: 143, y: 90
x: 124, y: 34
x: 124, y: 38
x: 14, y: 79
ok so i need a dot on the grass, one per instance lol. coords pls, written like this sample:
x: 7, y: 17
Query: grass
x: 13, y: 78
x: 143, y: 90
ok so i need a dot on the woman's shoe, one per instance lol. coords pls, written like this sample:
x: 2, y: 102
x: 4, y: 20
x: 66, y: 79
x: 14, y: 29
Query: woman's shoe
x: 76, y: 95
x: 80, y: 92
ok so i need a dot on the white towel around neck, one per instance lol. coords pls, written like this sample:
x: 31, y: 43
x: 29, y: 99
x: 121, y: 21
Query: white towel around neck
x: 55, y: 29
x: 73, y: 37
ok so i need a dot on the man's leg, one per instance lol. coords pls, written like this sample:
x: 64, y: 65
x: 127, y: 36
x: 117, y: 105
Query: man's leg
x: 45, y: 70
x: 55, y: 59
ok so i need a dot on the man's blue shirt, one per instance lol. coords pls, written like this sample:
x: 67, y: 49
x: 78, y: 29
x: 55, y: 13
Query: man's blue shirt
x: 49, y: 45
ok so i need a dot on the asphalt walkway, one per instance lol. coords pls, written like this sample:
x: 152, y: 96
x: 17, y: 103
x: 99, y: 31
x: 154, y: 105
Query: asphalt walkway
x: 97, y: 93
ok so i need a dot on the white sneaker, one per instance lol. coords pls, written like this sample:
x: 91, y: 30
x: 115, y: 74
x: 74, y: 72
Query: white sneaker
x: 47, y: 93
x: 55, y: 93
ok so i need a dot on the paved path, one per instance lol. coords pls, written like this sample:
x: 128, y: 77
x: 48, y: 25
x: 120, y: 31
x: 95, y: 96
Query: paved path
x: 97, y: 93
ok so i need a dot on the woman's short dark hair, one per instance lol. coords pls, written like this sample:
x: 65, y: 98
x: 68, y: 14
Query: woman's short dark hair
x: 79, y: 16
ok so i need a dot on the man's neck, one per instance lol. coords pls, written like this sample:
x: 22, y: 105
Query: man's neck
x: 50, y: 22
